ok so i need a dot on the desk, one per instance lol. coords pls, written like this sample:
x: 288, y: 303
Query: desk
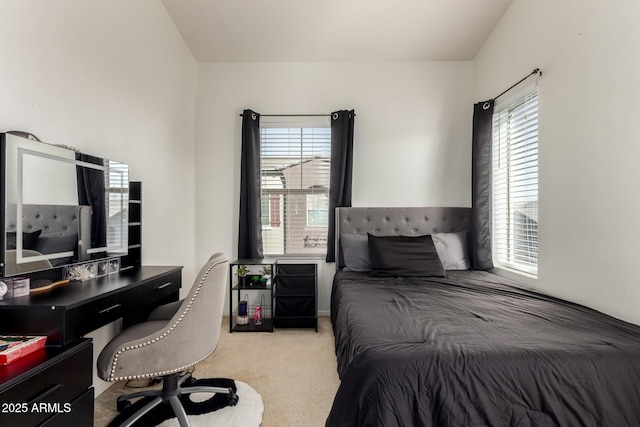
x: 61, y: 373
x: 67, y: 313
x: 38, y: 389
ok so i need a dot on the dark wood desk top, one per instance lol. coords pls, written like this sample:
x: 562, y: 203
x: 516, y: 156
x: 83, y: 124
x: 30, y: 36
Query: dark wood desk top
x: 78, y: 293
x: 66, y: 313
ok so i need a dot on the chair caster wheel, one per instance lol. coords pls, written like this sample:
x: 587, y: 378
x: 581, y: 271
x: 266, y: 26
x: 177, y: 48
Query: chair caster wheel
x: 121, y: 405
x: 189, y: 382
x: 232, y: 400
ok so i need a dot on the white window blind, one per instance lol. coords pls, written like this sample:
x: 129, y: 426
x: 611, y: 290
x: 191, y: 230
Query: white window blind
x: 515, y: 185
x: 117, y: 189
x: 295, y: 165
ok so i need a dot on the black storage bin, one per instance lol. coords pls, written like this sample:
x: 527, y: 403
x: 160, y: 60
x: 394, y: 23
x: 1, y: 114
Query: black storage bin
x: 303, y: 285
x: 295, y: 269
x: 295, y: 322
x: 295, y: 307
x: 296, y: 287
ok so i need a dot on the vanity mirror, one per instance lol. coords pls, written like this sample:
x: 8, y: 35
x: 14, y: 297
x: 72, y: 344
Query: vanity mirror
x: 60, y: 206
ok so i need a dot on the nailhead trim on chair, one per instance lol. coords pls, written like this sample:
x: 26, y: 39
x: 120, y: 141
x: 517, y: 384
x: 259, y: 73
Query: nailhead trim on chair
x: 163, y: 335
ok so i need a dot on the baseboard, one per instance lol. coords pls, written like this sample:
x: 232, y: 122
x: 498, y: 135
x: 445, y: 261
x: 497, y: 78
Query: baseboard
x: 100, y: 388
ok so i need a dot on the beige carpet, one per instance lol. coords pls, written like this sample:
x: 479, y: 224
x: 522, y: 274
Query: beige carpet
x: 293, y: 369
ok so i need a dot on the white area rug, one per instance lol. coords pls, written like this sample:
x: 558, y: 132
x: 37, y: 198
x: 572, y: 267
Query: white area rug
x: 247, y: 413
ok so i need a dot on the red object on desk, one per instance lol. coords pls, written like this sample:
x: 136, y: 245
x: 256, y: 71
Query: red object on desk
x: 19, y: 346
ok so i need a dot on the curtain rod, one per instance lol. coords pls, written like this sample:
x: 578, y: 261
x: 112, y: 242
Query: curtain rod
x: 294, y: 115
x: 535, y: 71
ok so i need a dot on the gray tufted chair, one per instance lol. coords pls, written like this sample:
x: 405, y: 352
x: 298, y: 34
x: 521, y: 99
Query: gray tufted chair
x: 175, y: 337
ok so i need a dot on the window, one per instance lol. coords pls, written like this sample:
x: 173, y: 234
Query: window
x: 294, y: 169
x: 515, y: 185
x: 265, y: 212
x: 117, y: 185
x: 318, y: 210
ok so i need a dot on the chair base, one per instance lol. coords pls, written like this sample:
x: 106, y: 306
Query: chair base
x: 173, y: 386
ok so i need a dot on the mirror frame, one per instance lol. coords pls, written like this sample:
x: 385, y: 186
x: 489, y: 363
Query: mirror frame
x: 26, y: 146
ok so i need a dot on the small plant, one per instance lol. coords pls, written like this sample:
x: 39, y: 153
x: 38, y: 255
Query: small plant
x: 266, y: 270
x: 242, y: 270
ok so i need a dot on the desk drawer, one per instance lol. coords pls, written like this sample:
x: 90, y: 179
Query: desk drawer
x: 93, y: 315
x: 161, y: 287
x: 47, y: 390
x: 80, y: 413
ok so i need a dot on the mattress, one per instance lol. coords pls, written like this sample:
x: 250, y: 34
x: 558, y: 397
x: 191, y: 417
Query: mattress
x: 473, y: 349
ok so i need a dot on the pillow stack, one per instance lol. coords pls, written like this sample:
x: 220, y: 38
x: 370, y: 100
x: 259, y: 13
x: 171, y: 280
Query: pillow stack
x: 428, y: 255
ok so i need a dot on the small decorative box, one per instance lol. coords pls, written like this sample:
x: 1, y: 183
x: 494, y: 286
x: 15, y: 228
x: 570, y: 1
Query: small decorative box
x: 21, y: 286
x: 103, y: 268
x: 114, y: 265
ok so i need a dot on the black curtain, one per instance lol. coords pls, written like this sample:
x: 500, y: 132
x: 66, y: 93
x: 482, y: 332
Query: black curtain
x: 341, y: 170
x: 92, y: 192
x: 250, y: 230
x: 481, y: 186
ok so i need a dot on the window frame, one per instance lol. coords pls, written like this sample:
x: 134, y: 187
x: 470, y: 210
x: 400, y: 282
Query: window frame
x: 304, y: 122
x: 506, y: 259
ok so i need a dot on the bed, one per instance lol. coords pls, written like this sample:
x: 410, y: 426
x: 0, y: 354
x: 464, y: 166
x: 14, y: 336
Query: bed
x: 470, y: 348
x: 48, y: 229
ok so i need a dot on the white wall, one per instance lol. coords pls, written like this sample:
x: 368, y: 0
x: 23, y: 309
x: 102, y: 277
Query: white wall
x: 115, y: 79
x: 412, y: 134
x: 588, y: 136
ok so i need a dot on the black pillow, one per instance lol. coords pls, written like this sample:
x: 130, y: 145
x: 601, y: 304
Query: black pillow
x: 54, y: 243
x: 404, y: 256
x: 28, y: 239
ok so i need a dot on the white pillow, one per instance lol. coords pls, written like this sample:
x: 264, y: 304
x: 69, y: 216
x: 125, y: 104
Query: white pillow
x: 453, y: 250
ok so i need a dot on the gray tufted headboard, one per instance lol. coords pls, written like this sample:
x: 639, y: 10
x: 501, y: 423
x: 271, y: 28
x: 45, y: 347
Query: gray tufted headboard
x: 55, y: 219
x: 398, y: 221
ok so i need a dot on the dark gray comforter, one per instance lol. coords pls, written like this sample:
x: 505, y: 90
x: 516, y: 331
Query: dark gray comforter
x: 471, y: 350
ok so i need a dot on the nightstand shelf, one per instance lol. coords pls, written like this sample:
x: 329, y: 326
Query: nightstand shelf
x: 289, y: 301
x: 266, y: 326
x: 257, y: 294
x: 134, y: 253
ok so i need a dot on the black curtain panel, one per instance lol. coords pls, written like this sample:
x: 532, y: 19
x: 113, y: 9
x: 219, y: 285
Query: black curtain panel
x: 92, y: 192
x: 481, y: 186
x: 341, y: 170
x: 250, y: 229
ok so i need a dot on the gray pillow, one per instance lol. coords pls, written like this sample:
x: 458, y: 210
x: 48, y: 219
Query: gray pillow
x: 453, y: 250
x: 355, y: 252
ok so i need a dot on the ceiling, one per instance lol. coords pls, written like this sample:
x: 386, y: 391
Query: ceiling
x: 335, y: 30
